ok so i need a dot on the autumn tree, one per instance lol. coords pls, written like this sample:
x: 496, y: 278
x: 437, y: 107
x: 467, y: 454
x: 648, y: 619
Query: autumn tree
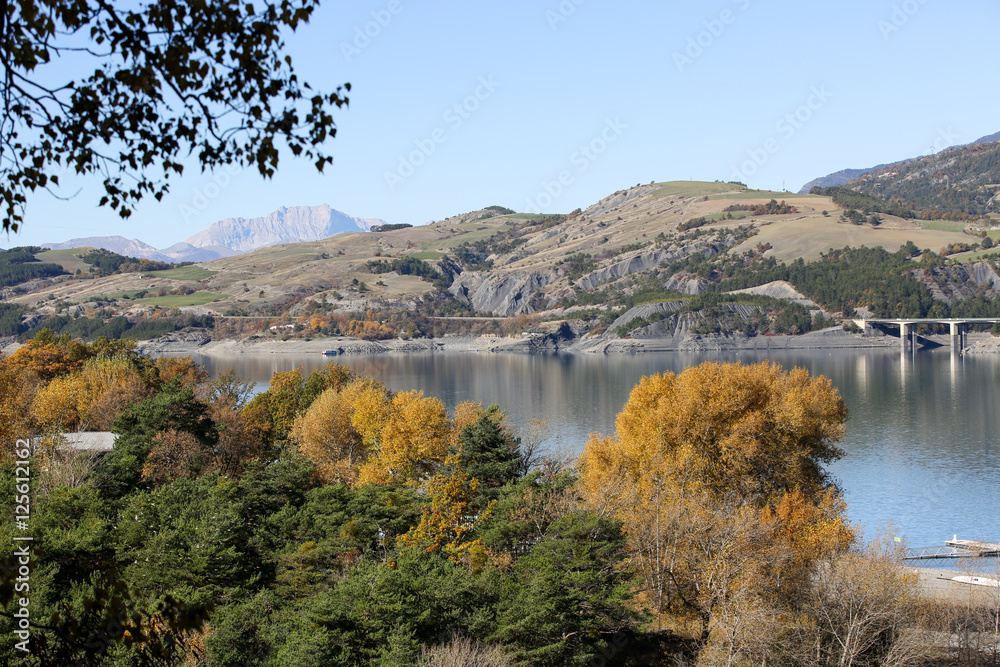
x: 183, y: 369
x: 56, y: 406
x: 174, y: 455
x: 273, y: 412
x: 50, y: 357
x: 413, y: 441
x: 66, y: 401
x: 699, y: 472
x: 364, y: 434
x: 450, y: 522
x: 103, y: 412
x: 236, y: 443
x: 17, y: 390
x: 326, y: 435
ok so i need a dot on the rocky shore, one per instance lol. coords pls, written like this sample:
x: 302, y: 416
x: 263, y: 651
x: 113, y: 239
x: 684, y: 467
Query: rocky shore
x: 834, y: 338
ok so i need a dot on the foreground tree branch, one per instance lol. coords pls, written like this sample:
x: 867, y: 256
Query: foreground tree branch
x: 174, y: 78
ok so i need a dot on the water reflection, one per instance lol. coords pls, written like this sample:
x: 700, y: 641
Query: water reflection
x: 923, y: 449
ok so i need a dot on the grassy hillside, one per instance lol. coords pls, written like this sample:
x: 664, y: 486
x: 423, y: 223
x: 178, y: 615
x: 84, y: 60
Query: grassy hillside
x: 616, y: 251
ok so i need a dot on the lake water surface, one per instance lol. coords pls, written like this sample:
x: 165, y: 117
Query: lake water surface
x: 923, y: 437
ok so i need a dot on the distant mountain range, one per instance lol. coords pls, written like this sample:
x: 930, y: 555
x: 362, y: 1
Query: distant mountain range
x: 234, y: 236
x: 841, y: 177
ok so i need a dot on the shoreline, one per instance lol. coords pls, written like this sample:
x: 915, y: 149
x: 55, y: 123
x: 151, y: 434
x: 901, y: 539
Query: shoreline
x: 937, y: 583
x: 835, y: 338
x: 827, y: 339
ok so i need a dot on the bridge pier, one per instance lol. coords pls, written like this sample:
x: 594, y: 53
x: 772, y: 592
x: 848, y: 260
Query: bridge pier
x: 905, y: 334
x: 958, y: 331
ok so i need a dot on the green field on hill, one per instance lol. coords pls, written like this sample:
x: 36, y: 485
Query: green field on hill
x: 693, y: 189
x: 181, y: 300
x: 183, y: 273
x: 68, y: 258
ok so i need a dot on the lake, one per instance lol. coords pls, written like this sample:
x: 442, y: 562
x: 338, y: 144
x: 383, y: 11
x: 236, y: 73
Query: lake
x: 923, y: 437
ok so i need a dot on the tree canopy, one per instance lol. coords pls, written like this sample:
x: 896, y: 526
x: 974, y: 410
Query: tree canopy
x: 158, y: 81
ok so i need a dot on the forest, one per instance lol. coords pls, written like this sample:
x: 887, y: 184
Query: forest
x: 331, y: 521
x: 957, y: 184
x: 19, y: 265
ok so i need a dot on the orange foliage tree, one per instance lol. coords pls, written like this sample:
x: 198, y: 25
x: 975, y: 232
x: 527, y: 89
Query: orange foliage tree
x: 17, y: 391
x: 49, y: 357
x: 183, y: 369
x: 363, y: 434
x: 273, y: 412
x: 448, y: 524
x: 717, y: 475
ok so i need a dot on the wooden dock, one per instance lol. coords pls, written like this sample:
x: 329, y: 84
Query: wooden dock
x: 955, y: 548
x: 978, y: 548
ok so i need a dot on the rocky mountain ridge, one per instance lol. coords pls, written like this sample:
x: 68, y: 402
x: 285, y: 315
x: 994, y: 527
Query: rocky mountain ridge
x: 294, y: 224
x: 234, y: 236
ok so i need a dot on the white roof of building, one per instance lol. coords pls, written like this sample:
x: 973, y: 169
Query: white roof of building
x: 91, y: 441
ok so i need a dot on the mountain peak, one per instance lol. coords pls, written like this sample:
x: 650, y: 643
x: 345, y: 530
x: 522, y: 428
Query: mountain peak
x: 288, y: 224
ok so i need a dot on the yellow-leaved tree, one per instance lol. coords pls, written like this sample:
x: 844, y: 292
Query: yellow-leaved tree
x: 361, y: 433
x: 65, y: 403
x: 17, y: 390
x: 327, y: 436
x: 448, y: 524
x: 717, y: 475
x: 413, y: 442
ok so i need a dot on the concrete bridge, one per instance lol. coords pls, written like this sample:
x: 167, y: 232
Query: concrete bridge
x: 957, y: 327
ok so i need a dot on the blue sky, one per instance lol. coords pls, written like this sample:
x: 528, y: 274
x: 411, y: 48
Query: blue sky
x: 552, y: 104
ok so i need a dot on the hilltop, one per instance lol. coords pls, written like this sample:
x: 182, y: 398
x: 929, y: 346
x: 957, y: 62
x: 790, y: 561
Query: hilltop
x: 602, y: 270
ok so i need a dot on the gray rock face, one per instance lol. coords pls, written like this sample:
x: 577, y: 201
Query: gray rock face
x: 638, y: 262
x: 502, y: 294
x: 646, y: 310
x: 677, y: 325
x: 294, y: 224
x: 685, y: 284
x: 960, y: 281
x: 234, y: 236
x: 644, y: 260
x: 984, y: 275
